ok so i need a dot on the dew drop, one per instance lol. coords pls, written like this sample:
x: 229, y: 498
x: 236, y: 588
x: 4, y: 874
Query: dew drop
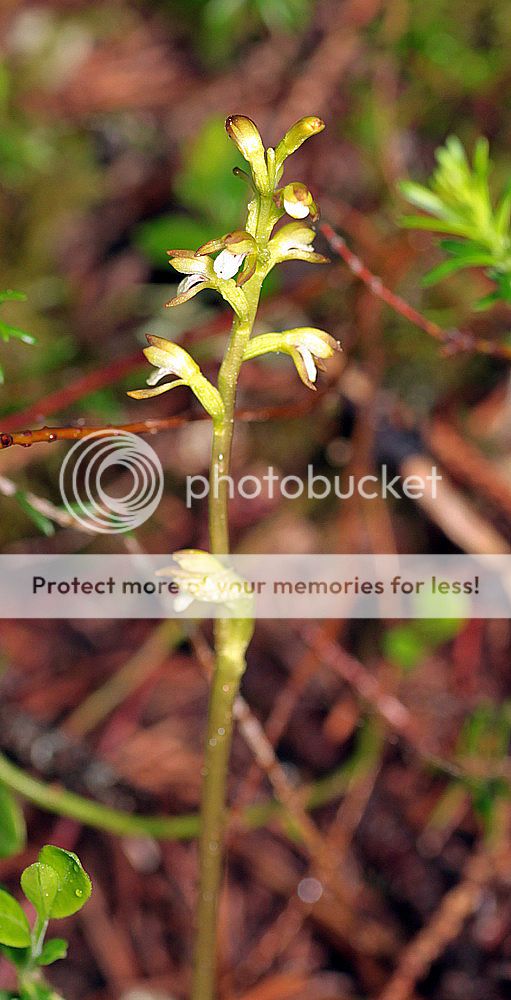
x: 212, y: 743
x: 221, y: 731
x: 226, y: 688
x: 78, y: 892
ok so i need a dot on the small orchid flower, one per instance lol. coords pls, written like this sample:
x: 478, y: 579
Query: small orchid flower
x: 235, y: 248
x: 171, y: 359
x: 307, y: 346
x: 203, y: 577
x: 294, y: 242
x: 200, y: 273
x: 297, y: 201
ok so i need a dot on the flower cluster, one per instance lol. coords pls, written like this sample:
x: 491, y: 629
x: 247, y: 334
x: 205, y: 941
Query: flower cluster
x: 231, y: 263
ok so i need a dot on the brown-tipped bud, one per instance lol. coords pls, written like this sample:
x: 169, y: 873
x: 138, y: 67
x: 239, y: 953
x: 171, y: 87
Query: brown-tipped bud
x: 245, y: 134
x: 296, y: 135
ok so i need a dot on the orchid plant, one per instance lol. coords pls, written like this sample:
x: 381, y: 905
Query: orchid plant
x: 235, y: 265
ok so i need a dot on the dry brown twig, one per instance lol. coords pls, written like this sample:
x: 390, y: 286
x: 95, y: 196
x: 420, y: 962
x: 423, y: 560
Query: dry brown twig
x: 455, y: 909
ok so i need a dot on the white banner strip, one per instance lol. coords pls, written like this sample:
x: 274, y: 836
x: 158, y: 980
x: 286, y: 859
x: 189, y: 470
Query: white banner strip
x: 269, y: 586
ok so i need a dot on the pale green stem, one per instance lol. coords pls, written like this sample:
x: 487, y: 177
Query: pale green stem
x: 61, y: 802
x: 229, y: 651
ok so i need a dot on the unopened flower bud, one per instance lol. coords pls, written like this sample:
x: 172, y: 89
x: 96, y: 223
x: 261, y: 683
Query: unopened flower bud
x: 296, y: 135
x: 246, y: 135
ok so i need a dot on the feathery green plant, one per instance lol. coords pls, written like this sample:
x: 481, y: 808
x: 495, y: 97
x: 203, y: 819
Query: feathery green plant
x: 460, y: 203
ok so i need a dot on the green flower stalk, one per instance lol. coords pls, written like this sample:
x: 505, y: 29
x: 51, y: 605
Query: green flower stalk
x: 235, y: 265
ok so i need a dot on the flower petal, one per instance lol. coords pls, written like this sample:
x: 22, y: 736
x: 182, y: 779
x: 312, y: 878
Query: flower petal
x: 296, y: 209
x: 188, y: 294
x: 227, y: 264
x: 308, y: 360
x: 192, y: 265
x: 157, y: 391
x: 189, y: 282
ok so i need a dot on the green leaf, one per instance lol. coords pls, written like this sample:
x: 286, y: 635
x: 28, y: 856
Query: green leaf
x: 41, y: 883
x: 8, y: 295
x: 46, y: 527
x: 503, y: 212
x: 8, y: 332
x: 13, y: 833
x: 17, y: 956
x: 487, y: 301
x: 74, y: 883
x: 449, y: 267
x: 481, y: 158
x: 14, y: 926
x: 467, y: 248
x: 435, y: 225
x: 52, y: 951
x: 421, y: 197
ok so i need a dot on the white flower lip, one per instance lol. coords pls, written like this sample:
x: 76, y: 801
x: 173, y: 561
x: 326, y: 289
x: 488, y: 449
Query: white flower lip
x: 308, y: 360
x: 227, y: 264
x: 190, y: 281
x: 296, y: 209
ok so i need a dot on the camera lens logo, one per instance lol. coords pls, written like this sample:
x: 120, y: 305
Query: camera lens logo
x: 123, y: 464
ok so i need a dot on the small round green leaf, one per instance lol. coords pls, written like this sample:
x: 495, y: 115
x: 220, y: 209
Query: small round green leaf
x: 12, y: 824
x: 52, y: 950
x: 40, y: 883
x: 74, y: 883
x: 14, y: 926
